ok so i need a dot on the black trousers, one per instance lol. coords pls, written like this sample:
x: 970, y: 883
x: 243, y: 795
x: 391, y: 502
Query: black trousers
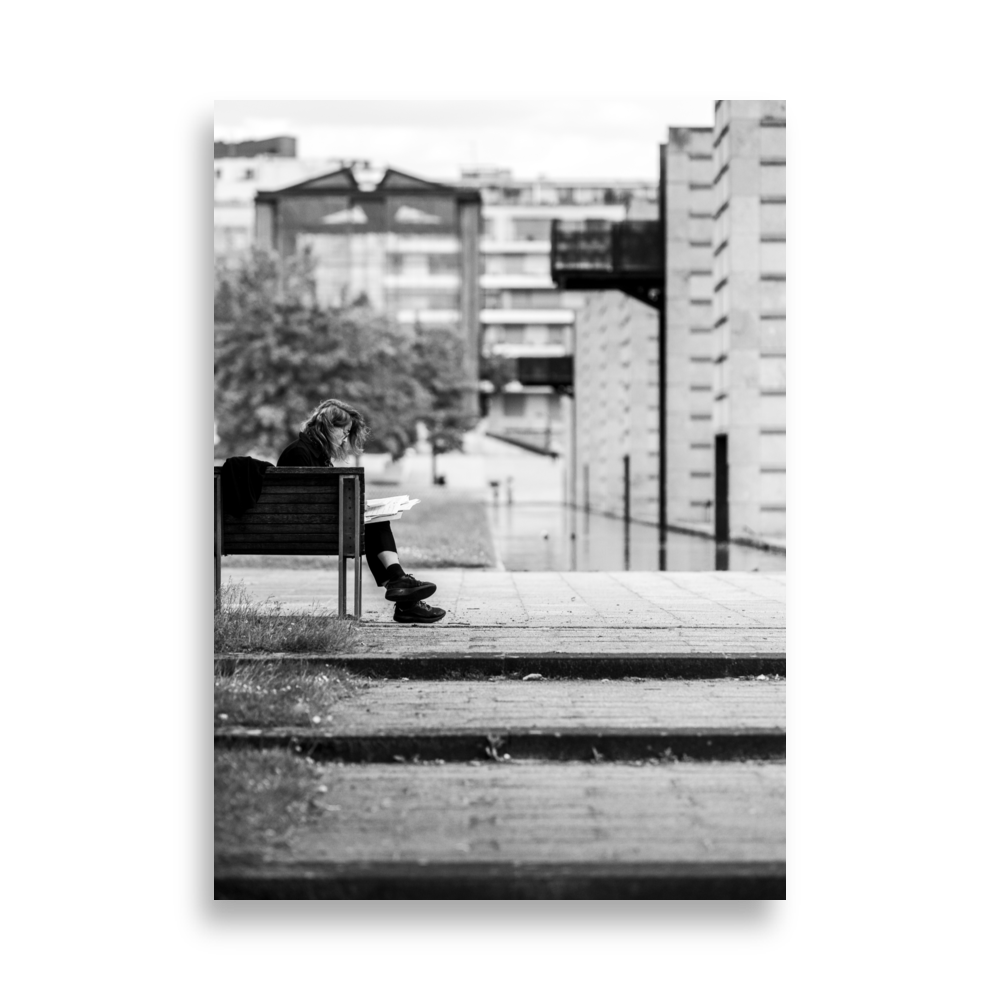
x: 378, y: 538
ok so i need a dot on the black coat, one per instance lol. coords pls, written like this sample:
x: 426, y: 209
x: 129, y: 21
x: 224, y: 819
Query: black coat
x: 302, y: 453
x: 242, y: 482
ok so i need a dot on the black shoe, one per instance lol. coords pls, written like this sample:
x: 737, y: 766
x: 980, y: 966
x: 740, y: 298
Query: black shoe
x: 417, y: 614
x: 405, y: 588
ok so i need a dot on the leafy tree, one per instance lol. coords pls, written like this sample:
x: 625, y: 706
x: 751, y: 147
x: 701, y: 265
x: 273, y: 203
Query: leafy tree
x: 278, y: 353
x: 497, y: 369
x: 439, y: 365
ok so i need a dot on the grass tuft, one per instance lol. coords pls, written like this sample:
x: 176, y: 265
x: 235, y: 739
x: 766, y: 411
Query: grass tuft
x: 243, y: 625
x: 261, y: 798
x: 270, y: 694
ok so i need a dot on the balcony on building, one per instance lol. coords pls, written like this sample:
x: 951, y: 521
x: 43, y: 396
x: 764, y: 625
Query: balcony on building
x: 556, y: 372
x: 596, y: 255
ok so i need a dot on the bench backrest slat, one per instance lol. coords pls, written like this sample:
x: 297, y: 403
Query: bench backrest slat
x: 296, y: 514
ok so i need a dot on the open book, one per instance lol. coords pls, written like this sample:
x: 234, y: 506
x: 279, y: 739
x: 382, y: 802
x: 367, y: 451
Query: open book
x: 387, y: 509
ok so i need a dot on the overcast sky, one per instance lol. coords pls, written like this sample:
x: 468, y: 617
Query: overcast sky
x: 559, y: 138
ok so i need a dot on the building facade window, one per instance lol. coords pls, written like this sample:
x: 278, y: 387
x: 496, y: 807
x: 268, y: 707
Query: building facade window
x: 516, y: 263
x: 504, y: 264
x: 444, y: 263
x: 422, y: 263
x: 512, y: 334
x: 532, y: 229
x: 534, y: 299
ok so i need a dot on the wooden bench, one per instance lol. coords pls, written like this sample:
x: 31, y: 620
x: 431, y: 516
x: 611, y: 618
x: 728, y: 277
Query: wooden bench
x: 317, y: 512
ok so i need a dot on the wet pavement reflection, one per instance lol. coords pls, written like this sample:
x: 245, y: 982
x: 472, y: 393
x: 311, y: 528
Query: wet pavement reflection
x: 555, y: 538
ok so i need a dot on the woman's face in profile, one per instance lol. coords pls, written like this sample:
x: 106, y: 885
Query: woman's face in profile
x: 340, y: 435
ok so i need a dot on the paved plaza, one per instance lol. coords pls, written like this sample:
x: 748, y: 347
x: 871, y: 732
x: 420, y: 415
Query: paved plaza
x: 556, y: 735
x: 568, y: 613
x: 550, y: 812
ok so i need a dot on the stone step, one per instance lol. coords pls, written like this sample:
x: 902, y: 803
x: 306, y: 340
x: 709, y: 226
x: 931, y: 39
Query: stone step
x: 590, y: 662
x: 511, y: 880
x: 452, y: 831
x: 559, y: 720
x: 581, y: 745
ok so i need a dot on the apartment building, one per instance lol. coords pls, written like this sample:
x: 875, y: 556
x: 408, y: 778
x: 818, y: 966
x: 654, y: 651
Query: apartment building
x: 408, y: 245
x: 748, y: 309
x: 524, y: 315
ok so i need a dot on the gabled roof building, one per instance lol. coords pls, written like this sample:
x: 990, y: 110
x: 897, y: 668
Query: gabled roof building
x: 409, y: 246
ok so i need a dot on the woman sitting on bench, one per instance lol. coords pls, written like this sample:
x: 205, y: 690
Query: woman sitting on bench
x: 333, y: 431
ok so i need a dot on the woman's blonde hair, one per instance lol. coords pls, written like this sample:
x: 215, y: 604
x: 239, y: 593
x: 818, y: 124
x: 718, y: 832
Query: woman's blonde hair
x: 331, y: 413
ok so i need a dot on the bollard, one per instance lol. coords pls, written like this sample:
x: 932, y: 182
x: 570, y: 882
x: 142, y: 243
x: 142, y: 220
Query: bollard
x: 627, y: 503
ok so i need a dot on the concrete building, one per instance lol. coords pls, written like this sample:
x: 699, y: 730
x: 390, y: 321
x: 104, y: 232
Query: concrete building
x: 616, y: 404
x: 279, y: 145
x: 723, y: 301
x: 617, y: 355
x: 524, y: 315
x: 689, y: 212
x: 409, y: 246
x: 748, y: 308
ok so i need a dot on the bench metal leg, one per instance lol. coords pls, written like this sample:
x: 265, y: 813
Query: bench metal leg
x: 341, y: 558
x: 218, y: 542
x: 357, y: 548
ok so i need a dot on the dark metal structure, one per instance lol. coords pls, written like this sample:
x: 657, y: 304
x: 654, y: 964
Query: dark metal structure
x: 556, y: 372
x: 595, y: 255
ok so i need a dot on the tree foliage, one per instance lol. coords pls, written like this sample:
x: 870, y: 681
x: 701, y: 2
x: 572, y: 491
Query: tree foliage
x: 278, y: 353
x: 498, y: 370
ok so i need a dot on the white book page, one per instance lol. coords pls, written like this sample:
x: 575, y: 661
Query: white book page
x: 387, y: 508
x: 385, y: 501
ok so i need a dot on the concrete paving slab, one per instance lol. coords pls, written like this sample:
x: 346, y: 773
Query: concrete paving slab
x: 547, y: 813
x: 522, y: 614
x: 588, y: 600
x: 558, y: 720
x: 475, y: 706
